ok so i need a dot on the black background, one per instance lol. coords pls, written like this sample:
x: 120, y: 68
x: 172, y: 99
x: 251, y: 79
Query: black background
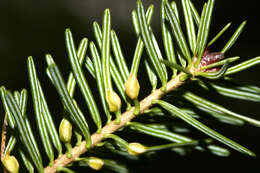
x: 35, y: 28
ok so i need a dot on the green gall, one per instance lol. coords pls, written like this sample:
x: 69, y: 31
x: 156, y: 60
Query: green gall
x: 11, y: 164
x: 132, y: 87
x: 113, y: 100
x: 95, y: 163
x: 65, y: 131
x: 136, y: 149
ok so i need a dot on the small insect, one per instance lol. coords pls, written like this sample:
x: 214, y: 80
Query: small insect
x: 210, y: 58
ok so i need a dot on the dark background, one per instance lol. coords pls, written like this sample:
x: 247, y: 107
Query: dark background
x: 35, y: 28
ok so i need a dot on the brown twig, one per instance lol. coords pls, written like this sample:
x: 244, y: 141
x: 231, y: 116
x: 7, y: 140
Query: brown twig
x: 3, y: 139
x: 146, y: 103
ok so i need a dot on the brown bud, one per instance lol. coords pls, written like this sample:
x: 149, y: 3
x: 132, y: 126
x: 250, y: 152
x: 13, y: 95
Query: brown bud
x: 210, y: 58
x: 95, y: 163
x: 11, y: 164
x: 65, y: 131
x: 113, y: 100
x: 132, y: 87
x: 136, y: 149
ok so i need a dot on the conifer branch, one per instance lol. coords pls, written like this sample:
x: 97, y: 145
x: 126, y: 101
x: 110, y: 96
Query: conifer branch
x: 189, y: 61
x: 111, y: 127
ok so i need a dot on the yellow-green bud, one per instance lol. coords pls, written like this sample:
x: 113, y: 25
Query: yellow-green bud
x: 95, y: 163
x: 65, y: 131
x: 11, y: 164
x: 113, y: 100
x: 136, y: 149
x: 132, y: 87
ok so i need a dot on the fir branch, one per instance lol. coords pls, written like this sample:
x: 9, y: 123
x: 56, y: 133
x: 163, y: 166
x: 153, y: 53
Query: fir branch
x: 189, y: 61
x: 111, y: 127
